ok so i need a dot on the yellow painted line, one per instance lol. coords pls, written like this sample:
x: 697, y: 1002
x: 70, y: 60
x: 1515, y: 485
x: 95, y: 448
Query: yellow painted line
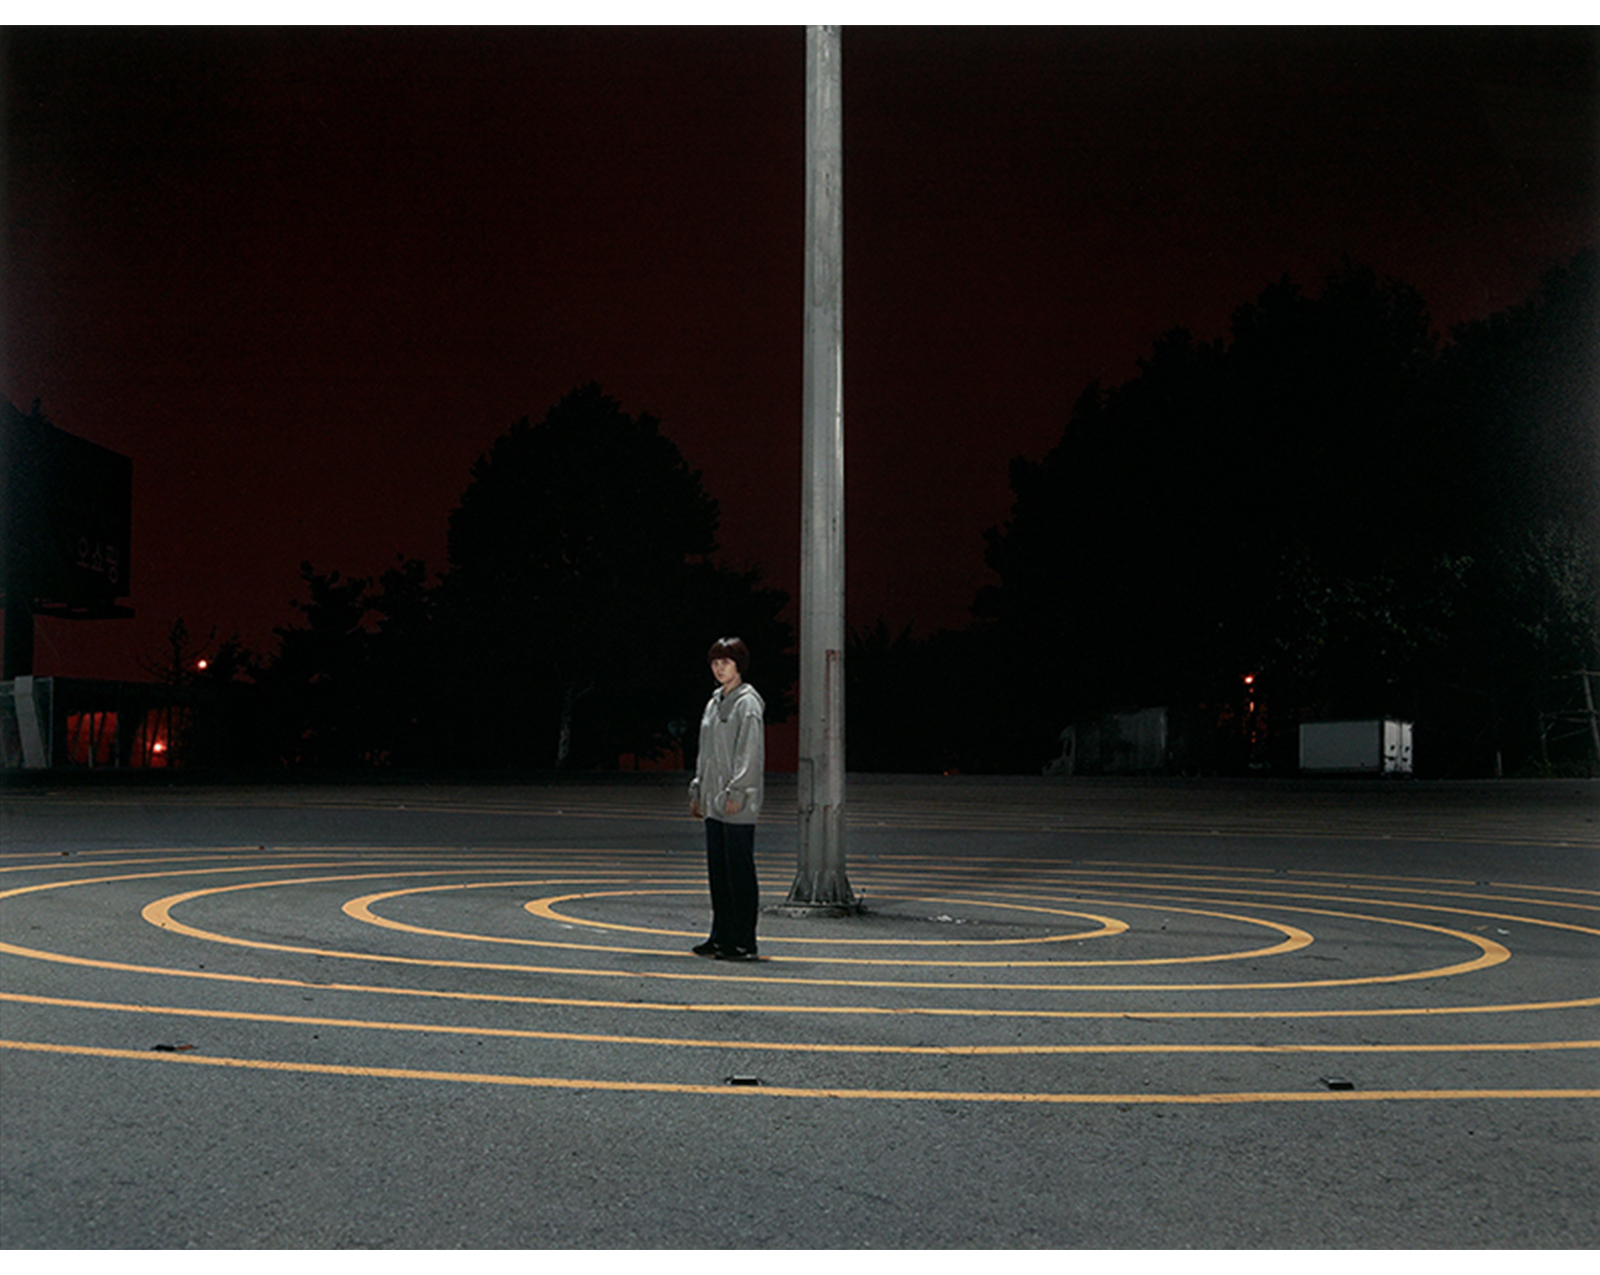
x: 1256, y: 896
x: 493, y: 859
x: 1094, y: 873
x: 1101, y: 882
x: 784, y: 1091
x: 805, y: 1047
x: 1147, y: 883
x: 546, y: 910
x: 1067, y: 874
x: 1206, y: 830
x: 83, y: 858
x: 605, y: 863
x: 862, y: 1011
x: 1295, y: 939
x: 159, y: 914
x: 1263, y: 897
x: 1511, y: 917
x: 261, y: 857
x: 121, y: 877
x: 127, y: 967
x: 1491, y: 953
x: 1074, y: 866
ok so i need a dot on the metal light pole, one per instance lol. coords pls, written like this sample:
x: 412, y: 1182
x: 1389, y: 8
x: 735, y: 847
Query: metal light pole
x: 820, y: 882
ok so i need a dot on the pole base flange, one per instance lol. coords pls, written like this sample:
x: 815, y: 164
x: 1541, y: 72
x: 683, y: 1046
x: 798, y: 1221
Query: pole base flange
x: 854, y: 908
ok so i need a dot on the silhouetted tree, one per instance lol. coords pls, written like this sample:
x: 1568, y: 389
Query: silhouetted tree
x: 408, y: 712
x: 352, y: 686
x: 1521, y: 394
x: 942, y: 703
x: 580, y: 597
x: 1326, y: 499
x: 227, y: 726
x: 317, y: 690
x: 888, y: 699
x: 570, y: 627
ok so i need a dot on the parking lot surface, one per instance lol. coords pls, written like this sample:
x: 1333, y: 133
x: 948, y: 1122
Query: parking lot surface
x: 1071, y: 1014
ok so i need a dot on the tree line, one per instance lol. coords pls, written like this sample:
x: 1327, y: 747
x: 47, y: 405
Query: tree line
x: 567, y: 630
x: 1362, y: 518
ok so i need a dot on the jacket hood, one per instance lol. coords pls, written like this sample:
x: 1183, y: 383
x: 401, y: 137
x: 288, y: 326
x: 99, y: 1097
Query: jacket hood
x: 727, y: 701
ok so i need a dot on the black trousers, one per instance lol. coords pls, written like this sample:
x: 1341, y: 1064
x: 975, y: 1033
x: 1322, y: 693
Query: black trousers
x: 735, y: 896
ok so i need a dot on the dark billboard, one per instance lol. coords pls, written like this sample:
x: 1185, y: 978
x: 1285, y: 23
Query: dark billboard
x: 66, y: 516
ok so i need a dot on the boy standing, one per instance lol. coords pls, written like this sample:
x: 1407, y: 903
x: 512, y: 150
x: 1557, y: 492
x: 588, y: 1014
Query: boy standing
x: 726, y: 792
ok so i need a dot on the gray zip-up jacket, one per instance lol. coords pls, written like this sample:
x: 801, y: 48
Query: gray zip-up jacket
x: 733, y: 756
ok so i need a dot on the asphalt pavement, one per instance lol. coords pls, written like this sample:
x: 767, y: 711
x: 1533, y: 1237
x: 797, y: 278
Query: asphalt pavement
x: 1071, y: 1014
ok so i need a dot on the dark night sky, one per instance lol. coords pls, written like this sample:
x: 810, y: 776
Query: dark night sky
x: 304, y: 277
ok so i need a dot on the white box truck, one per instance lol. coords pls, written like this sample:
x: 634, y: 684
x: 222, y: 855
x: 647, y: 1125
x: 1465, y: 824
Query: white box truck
x: 1380, y: 746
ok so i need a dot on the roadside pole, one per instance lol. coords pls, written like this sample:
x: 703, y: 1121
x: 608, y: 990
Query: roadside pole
x: 820, y: 883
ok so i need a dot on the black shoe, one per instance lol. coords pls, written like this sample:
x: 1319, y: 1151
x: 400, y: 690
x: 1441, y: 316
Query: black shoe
x: 737, y: 954
x: 708, y: 948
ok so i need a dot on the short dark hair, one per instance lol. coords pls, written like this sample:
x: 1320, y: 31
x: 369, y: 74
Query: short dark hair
x: 730, y: 648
